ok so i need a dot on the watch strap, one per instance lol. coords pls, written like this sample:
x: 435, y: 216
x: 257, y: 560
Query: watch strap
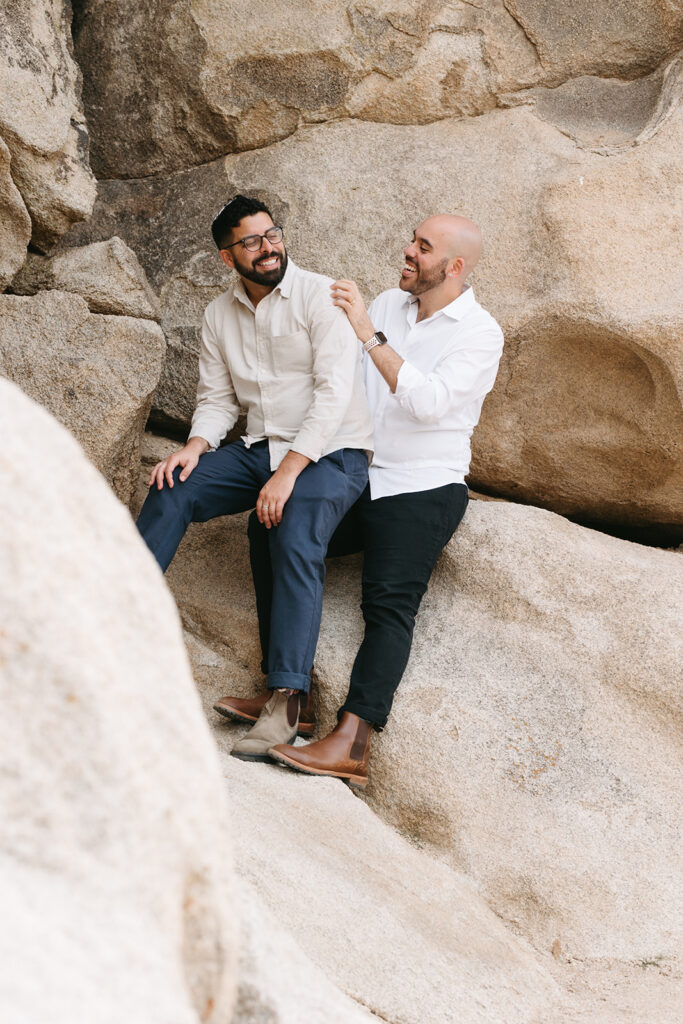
x: 378, y: 338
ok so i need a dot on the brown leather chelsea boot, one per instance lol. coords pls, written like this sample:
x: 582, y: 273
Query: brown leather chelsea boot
x: 248, y: 709
x: 344, y: 754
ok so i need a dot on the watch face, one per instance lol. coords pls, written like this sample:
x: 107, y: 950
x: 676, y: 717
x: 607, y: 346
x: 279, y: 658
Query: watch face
x: 382, y: 338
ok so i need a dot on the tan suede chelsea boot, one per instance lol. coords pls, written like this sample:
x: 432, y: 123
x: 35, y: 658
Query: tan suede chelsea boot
x: 277, y: 723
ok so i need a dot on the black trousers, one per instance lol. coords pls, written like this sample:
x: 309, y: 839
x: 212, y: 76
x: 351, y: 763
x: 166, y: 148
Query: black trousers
x: 402, y: 536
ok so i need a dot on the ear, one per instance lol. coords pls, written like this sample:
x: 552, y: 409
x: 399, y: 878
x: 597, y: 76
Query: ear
x: 226, y: 256
x: 456, y: 267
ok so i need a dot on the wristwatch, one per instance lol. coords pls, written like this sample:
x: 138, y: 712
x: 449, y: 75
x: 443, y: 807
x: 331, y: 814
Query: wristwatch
x: 377, y: 339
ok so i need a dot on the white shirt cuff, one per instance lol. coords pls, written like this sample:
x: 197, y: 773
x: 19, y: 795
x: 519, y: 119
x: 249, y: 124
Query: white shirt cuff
x: 213, y: 433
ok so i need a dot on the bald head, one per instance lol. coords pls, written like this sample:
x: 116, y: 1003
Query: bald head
x: 455, y: 237
x: 445, y: 249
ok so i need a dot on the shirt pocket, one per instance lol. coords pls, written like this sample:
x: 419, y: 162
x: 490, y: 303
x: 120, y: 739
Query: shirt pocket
x: 292, y: 354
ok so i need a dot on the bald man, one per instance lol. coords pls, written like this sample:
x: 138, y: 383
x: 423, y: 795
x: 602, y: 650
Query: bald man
x: 431, y: 357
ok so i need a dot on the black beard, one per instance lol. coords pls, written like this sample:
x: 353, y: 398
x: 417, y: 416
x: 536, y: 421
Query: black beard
x: 266, y: 277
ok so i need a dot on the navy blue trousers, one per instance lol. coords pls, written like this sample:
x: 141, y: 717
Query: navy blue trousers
x: 227, y: 481
x: 402, y: 536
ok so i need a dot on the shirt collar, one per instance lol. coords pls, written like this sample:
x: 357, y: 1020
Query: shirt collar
x: 456, y: 309
x: 287, y: 281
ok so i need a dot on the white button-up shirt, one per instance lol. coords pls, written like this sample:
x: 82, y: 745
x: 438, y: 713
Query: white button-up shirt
x: 292, y: 362
x: 422, y: 432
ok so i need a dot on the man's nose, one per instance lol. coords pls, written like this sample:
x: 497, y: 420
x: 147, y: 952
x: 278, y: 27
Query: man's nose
x: 265, y: 244
x: 410, y: 250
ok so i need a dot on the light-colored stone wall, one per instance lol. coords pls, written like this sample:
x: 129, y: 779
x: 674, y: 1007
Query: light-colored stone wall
x: 531, y: 761
x: 116, y: 878
x: 557, y: 130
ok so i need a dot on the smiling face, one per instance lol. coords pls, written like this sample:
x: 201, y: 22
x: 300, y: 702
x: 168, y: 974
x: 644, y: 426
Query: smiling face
x: 266, y: 265
x: 426, y: 261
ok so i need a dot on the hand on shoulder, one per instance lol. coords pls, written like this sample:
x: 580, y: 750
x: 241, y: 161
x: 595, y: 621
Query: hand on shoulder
x: 347, y: 296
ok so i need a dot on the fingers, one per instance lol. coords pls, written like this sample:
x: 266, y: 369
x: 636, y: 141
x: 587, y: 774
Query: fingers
x: 189, y: 466
x: 345, y: 293
x: 157, y: 476
x: 171, y: 463
x: 163, y: 471
x: 265, y: 510
x: 269, y: 510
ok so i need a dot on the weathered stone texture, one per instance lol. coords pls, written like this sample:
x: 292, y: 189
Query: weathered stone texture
x: 107, y: 275
x: 621, y: 37
x: 96, y: 374
x: 116, y: 880
x: 534, y: 739
x: 558, y: 222
x: 589, y: 395
x: 378, y: 902
x: 15, y: 223
x: 41, y: 118
x: 532, y: 754
x: 220, y: 78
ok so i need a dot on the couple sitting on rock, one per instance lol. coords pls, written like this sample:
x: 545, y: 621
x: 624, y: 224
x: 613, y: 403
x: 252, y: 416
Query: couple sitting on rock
x: 329, y: 386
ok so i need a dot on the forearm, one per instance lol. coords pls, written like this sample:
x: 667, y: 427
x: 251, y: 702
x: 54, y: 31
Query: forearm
x: 197, y: 444
x: 387, y: 360
x: 293, y: 464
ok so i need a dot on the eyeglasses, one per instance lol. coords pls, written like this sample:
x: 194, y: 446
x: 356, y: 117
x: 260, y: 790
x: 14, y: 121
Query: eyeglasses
x: 254, y: 242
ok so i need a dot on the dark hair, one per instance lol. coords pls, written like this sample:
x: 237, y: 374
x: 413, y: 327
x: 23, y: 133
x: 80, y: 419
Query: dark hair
x: 230, y: 216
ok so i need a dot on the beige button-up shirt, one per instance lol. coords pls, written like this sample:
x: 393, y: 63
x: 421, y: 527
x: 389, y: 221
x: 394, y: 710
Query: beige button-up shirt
x: 292, y: 363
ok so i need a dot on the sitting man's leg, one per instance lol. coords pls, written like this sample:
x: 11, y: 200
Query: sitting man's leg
x: 404, y: 536
x: 290, y: 585
x: 346, y: 539
x: 223, y: 482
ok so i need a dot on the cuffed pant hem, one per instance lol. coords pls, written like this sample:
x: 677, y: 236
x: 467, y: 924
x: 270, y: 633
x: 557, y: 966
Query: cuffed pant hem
x: 288, y: 681
x: 367, y: 714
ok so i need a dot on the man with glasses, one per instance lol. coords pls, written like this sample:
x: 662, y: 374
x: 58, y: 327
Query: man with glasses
x: 275, y: 345
x: 432, y: 355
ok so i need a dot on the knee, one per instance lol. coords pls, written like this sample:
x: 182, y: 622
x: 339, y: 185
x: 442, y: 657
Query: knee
x: 385, y: 600
x: 297, y: 550
x: 169, y: 501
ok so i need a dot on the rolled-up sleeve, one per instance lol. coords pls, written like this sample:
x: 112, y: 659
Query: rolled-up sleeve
x: 336, y: 354
x: 465, y: 374
x: 217, y: 406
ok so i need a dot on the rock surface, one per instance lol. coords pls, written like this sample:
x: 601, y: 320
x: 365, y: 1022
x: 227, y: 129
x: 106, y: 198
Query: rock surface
x: 107, y: 275
x: 15, y: 223
x: 585, y: 417
x: 96, y: 374
x: 398, y: 932
x: 620, y: 37
x: 227, y: 78
x: 117, y: 882
x: 41, y: 118
x: 548, y: 755
x: 278, y: 983
x: 548, y: 732
x: 608, y: 419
